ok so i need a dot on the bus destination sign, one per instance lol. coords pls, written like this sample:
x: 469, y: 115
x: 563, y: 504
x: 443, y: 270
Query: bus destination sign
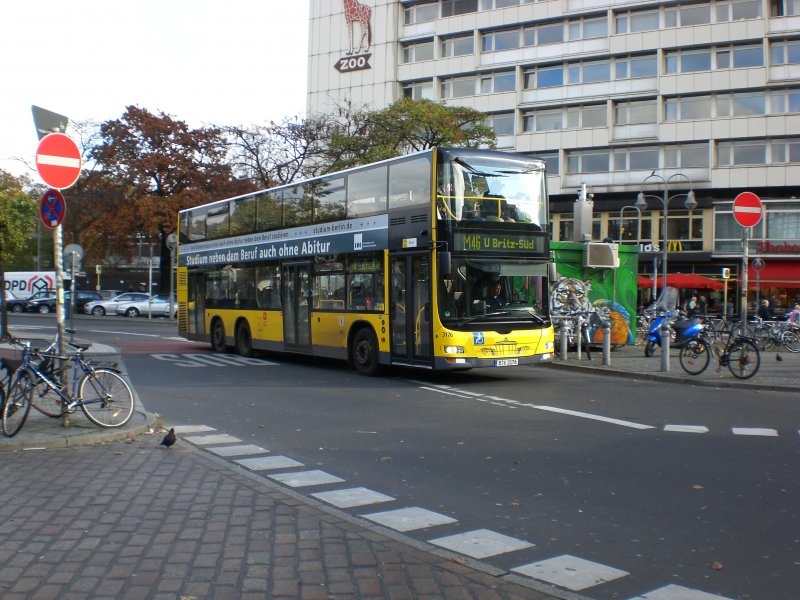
x: 505, y: 243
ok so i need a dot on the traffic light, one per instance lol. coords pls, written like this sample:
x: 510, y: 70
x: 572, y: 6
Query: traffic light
x: 726, y: 273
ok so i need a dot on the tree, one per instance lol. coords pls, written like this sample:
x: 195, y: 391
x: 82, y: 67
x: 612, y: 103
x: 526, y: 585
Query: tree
x: 364, y: 136
x: 155, y: 167
x: 17, y: 222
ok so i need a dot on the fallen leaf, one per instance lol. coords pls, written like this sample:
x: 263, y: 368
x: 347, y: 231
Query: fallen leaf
x: 697, y: 486
x: 717, y: 566
x: 384, y: 459
x: 514, y: 503
x: 490, y: 458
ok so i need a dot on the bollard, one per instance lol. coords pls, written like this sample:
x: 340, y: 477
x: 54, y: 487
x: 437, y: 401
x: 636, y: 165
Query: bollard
x: 564, y: 341
x: 579, y: 336
x: 665, y: 346
x: 606, y: 345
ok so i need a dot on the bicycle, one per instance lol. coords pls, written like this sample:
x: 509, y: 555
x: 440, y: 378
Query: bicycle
x: 778, y: 333
x: 739, y: 354
x: 101, y: 393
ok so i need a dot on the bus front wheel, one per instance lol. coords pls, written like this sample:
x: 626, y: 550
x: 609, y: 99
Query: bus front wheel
x: 364, y: 352
x: 218, y: 336
x: 244, y: 341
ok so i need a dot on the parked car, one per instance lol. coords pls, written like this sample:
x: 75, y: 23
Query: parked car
x: 82, y: 298
x: 99, y: 308
x: 19, y: 305
x: 158, y: 306
x: 109, y: 294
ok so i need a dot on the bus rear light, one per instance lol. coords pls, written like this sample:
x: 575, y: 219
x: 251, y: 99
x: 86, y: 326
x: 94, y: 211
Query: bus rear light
x: 455, y: 361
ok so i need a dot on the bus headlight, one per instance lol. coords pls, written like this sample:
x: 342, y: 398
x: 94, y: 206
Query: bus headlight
x: 549, y: 346
x: 454, y: 349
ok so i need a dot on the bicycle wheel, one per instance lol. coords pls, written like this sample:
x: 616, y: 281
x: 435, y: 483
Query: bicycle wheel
x: 744, y: 359
x: 105, y: 398
x: 695, y: 356
x: 763, y: 337
x: 649, y: 349
x: 44, y: 398
x: 17, y: 404
x: 790, y: 341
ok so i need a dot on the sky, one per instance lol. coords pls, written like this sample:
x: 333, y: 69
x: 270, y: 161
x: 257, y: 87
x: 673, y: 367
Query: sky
x: 221, y: 62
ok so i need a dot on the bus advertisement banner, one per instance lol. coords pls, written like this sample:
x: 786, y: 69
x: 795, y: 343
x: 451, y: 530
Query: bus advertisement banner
x: 352, y: 235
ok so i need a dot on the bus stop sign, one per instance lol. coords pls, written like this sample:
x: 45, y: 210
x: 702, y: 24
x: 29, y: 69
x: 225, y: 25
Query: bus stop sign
x: 747, y: 209
x: 58, y: 161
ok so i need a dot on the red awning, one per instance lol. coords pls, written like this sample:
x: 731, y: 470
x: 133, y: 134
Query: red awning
x: 692, y: 281
x: 775, y: 274
x: 644, y: 282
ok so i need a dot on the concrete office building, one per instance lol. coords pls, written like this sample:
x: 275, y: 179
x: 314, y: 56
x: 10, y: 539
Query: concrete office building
x: 705, y: 95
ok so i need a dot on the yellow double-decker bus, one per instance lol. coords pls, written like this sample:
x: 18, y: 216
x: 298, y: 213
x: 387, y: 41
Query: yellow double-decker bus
x: 392, y: 263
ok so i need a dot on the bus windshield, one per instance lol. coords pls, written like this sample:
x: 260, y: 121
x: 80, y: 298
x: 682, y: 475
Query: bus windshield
x: 493, y: 189
x: 482, y: 290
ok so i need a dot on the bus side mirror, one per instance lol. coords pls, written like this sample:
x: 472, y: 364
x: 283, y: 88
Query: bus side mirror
x: 445, y: 264
x: 552, y: 272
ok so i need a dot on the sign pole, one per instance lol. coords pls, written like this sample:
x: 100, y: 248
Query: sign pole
x: 745, y: 262
x: 62, y: 344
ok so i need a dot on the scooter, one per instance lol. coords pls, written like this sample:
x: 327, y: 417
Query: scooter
x: 685, y: 329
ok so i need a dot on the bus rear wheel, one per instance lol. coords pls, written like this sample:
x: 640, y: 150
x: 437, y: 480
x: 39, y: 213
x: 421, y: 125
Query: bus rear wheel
x: 218, y: 336
x: 244, y: 341
x: 364, y: 352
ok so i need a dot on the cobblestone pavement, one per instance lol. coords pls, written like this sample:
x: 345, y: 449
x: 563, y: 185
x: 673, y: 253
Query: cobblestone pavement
x: 133, y: 520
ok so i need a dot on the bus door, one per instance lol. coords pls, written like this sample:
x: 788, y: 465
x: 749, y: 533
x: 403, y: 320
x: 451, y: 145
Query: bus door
x: 196, y: 303
x: 296, y: 303
x: 410, y: 308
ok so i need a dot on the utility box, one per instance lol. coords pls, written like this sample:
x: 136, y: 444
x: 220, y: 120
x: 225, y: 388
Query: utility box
x: 600, y: 255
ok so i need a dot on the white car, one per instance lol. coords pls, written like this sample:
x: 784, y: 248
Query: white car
x: 99, y: 308
x: 158, y: 306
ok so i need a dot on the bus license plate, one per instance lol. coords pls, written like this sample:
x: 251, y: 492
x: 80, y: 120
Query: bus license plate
x: 506, y: 362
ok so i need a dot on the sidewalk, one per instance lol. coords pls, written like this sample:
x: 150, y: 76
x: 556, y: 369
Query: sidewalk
x: 106, y: 513
x: 630, y: 362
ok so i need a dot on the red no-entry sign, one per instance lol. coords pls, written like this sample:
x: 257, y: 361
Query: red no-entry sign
x: 58, y: 161
x: 747, y: 209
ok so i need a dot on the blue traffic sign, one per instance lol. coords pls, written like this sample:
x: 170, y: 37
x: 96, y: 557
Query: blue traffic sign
x: 52, y: 208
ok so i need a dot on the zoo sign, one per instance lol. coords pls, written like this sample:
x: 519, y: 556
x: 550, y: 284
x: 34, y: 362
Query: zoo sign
x: 357, y: 57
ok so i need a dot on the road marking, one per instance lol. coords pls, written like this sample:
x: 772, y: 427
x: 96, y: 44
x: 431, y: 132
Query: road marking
x: 409, y: 519
x: 349, y: 498
x: 305, y: 478
x: 241, y: 450
x: 481, y: 543
x: 584, y: 415
x: 194, y: 360
x: 686, y: 428
x: 571, y: 572
x: 754, y: 431
x: 192, y: 428
x: 266, y: 463
x: 205, y: 440
x: 677, y: 592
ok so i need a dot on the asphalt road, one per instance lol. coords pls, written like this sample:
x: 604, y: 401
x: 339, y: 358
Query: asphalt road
x: 612, y: 471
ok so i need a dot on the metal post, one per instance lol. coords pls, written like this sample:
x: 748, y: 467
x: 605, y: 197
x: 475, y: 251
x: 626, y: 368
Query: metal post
x: 564, y: 341
x: 62, y: 342
x: 606, y: 344
x: 665, y: 346
x: 579, y: 335
x: 743, y: 293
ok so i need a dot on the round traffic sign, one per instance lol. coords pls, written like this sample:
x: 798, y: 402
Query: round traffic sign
x: 58, y: 161
x: 52, y: 208
x: 747, y: 209
x: 757, y: 264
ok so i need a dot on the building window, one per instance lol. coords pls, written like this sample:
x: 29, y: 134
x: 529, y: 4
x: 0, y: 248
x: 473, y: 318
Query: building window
x: 498, y: 82
x: 633, y: 67
x: 418, y: 52
x: 785, y: 53
x: 687, y: 108
x: 688, y: 61
x: 501, y: 123
x: 742, y: 104
x: 738, y: 9
x: 784, y: 101
x: 639, y: 112
x: 420, y: 90
x: 421, y: 13
x: 490, y: 4
x: 686, y: 16
x: 636, y: 159
x: 458, y: 87
x: 686, y: 156
x: 588, y: 161
x: 451, y: 8
x: 785, y: 151
x: 741, y: 152
x: 458, y: 46
x: 784, y: 8
x: 743, y: 57
x: 585, y: 29
x: 575, y: 117
x: 636, y: 21
x: 497, y: 41
x: 590, y: 72
x: 551, y: 161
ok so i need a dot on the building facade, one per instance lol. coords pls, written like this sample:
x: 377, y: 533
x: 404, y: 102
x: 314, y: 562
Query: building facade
x: 624, y: 97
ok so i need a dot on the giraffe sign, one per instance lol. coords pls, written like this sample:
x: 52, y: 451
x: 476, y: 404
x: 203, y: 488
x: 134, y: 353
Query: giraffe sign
x: 357, y: 57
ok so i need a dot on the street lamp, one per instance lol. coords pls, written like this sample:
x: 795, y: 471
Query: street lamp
x: 641, y: 204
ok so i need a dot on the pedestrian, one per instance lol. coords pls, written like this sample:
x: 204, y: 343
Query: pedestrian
x: 692, y: 306
x: 763, y: 310
x: 794, y: 316
x: 702, y: 305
